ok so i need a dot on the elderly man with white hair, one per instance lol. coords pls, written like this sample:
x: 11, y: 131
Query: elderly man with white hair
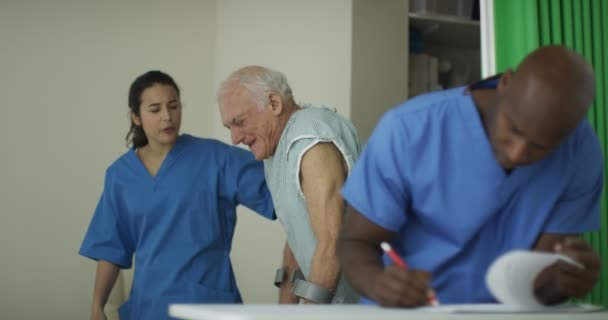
x: 308, y: 153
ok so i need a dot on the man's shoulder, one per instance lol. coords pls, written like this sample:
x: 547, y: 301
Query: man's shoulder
x: 432, y: 102
x: 309, y: 116
x: 441, y: 110
x: 583, y: 142
x: 319, y: 123
x: 310, y: 126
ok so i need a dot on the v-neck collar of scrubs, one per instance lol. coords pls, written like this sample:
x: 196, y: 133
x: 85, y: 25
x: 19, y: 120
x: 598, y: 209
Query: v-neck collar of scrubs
x: 169, y: 160
x: 507, y: 182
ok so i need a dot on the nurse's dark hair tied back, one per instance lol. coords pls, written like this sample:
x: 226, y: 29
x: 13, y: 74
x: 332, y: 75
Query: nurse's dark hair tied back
x: 136, y: 135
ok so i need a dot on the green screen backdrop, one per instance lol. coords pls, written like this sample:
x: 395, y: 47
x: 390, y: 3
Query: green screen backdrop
x: 524, y: 25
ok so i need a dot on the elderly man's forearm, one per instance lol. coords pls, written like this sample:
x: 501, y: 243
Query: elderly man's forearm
x: 325, y: 268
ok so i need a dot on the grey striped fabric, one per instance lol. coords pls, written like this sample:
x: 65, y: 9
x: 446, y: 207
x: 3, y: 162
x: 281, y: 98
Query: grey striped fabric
x: 307, y: 127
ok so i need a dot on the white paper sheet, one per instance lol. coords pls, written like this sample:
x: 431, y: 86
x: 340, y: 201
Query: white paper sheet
x: 511, y: 277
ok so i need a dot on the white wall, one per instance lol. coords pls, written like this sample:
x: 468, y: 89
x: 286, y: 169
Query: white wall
x: 65, y: 69
x: 379, y: 60
x: 310, y: 41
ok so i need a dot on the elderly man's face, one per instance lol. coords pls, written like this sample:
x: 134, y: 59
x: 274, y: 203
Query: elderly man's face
x: 248, y: 124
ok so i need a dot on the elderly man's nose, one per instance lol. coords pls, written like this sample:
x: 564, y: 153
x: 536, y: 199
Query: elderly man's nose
x: 235, y: 135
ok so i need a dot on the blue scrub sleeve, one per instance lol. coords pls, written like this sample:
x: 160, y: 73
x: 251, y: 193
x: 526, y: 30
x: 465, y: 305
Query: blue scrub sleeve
x: 245, y: 183
x: 107, y: 237
x: 578, y: 209
x: 377, y: 186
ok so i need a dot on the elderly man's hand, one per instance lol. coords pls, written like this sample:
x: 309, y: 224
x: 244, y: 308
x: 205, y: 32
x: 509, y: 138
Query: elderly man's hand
x: 398, y: 287
x: 564, y: 280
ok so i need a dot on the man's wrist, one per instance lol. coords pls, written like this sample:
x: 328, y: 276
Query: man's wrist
x: 97, y: 307
x: 311, y: 291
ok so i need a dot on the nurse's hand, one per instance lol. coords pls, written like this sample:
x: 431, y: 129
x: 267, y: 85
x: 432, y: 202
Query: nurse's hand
x: 398, y: 287
x: 563, y: 280
x: 574, y: 281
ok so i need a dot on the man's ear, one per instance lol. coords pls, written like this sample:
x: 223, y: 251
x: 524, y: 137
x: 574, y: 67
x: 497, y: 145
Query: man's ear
x: 276, y: 103
x: 135, y: 119
x: 505, y: 81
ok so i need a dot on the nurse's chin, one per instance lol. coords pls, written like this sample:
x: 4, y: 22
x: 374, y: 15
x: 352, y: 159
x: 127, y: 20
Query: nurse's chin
x: 168, y: 140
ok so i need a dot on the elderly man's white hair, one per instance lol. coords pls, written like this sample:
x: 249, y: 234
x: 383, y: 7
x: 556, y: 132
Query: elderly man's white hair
x: 259, y: 81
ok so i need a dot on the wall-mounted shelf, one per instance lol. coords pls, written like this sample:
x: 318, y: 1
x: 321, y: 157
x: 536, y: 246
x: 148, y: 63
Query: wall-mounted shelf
x: 447, y: 30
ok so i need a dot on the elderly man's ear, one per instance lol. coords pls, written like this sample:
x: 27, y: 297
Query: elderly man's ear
x: 276, y: 104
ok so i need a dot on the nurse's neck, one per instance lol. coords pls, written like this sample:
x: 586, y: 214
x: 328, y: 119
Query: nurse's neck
x: 152, y: 155
x: 485, y: 102
x: 157, y: 150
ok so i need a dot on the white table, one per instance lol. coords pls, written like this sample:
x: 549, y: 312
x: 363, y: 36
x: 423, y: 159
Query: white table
x: 351, y: 312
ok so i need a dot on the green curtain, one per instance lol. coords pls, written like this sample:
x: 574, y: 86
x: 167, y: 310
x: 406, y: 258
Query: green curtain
x: 522, y: 26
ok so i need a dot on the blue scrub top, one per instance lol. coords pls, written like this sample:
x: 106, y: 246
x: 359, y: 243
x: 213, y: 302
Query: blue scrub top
x: 179, y: 223
x: 428, y: 173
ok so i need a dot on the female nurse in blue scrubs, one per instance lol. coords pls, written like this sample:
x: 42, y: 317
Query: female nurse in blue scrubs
x: 170, y: 201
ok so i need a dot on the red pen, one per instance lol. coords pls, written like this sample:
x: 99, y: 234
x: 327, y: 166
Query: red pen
x: 399, y: 262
